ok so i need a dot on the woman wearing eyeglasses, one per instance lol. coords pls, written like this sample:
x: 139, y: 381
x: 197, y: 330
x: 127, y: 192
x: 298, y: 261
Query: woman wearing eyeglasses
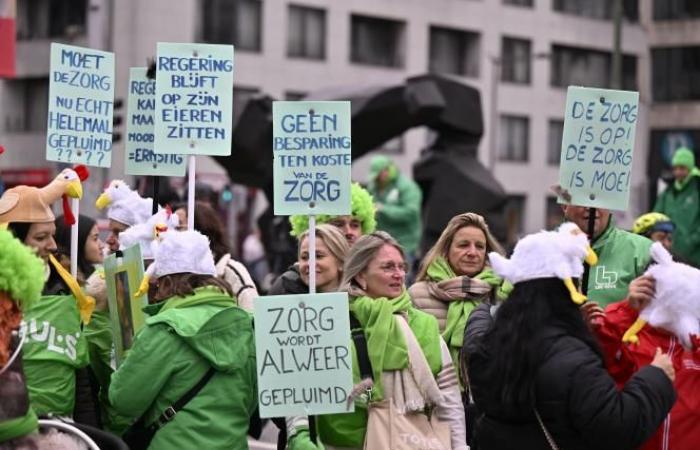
x: 411, y: 364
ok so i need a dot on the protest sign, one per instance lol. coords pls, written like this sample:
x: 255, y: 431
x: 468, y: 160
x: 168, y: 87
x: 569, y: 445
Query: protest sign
x: 597, y: 147
x: 123, y: 276
x: 304, y: 360
x: 194, y: 99
x: 312, y: 157
x: 140, y: 158
x: 81, y: 97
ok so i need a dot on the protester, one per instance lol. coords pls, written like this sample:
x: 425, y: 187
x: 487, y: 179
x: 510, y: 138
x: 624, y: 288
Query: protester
x: 410, y: 362
x: 622, y: 256
x: 55, y: 346
x: 207, y: 222
x: 656, y: 227
x: 398, y: 202
x: 680, y: 202
x: 361, y: 222
x: 196, y: 341
x: 537, y: 373
x: 90, y: 246
x: 126, y: 208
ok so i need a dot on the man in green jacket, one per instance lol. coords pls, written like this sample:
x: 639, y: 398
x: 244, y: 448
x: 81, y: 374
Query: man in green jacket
x: 680, y: 201
x: 622, y: 256
x: 195, y: 327
x: 398, y: 202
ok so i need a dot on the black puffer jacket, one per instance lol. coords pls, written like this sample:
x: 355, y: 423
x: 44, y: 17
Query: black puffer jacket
x: 576, y: 398
x: 289, y: 283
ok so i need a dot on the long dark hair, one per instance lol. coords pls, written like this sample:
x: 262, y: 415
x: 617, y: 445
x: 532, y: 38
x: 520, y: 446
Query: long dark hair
x: 184, y: 284
x: 63, y: 233
x: 208, y: 222
x: 512, y: 350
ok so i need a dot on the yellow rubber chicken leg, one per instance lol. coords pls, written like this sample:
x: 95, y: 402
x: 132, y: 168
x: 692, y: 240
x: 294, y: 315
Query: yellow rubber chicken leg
x: 630, y: 336
x: 143, y: 287
x: 576, y: 296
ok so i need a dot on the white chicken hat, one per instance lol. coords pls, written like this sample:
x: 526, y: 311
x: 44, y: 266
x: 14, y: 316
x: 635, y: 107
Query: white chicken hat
x: 147, y: 233
x: 548, y: 254
x: 179, y: 252
x: 125, y: 205
x: 675, y: 306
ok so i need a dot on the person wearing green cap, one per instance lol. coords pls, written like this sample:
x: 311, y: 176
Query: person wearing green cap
x: 398, y: 202
x: 681, y: 202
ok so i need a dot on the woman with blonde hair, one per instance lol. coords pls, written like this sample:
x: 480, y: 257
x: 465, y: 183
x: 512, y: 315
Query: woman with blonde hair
x: 410, y: 364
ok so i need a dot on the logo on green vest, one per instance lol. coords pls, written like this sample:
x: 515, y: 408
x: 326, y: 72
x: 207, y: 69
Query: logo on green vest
x: 605, y: 279
x: 63, y: 344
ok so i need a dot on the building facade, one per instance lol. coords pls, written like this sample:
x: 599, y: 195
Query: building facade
x: 520, y: 54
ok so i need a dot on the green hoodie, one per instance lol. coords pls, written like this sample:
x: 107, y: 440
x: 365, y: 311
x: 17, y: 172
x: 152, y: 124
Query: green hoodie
x: 184, y: 338
x: 400, y: 200
x: 681, y: 202
x: 622, y: 257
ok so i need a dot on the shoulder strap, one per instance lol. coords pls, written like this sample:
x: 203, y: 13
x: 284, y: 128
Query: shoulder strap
x: 171, y: 411
x: 358, y: 337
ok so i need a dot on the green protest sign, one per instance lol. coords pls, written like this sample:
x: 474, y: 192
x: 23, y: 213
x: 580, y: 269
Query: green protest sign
x: 122, y: 277
x: 81, y: 97
x: 312, y: 157
x: 597, y: 147
x: 194, y: 99
x: 304, y: 360
x: 139, y: 158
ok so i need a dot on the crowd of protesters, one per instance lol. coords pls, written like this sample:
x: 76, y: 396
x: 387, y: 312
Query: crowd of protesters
x: 480, y: 352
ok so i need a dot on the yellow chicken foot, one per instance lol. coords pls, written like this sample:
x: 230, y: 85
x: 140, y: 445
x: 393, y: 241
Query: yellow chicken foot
x: 630, y: 336
x: 576, y: 296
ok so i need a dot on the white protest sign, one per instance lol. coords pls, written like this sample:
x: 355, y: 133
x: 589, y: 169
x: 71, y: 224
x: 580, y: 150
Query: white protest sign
x: 81, y: 97
x: 304, y: 359
x: 597, y: 147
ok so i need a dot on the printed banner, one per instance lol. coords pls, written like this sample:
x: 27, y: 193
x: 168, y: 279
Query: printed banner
x: 194, y: 99
x: 304, y: 360
x: 597, y: 147
x: 312, y: 158
x: 122, y: 277
x: 140, y: 159
x: 81, y: 98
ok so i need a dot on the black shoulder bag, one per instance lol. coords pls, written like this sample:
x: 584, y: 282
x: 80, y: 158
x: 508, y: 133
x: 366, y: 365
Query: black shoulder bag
x: 139, y: 435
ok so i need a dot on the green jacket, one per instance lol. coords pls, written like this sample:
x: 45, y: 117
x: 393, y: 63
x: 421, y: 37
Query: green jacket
x: 348, y: 430
x: 54, y: 348
x: 622, y: 257
x: 184, y: 338
x: 400, y: 211
x: 683, y: 207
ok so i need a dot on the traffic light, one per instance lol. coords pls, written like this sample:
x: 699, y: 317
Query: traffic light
x: 117, y: 120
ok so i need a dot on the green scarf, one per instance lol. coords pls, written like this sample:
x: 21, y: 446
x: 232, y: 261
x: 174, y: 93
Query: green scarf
x: 19, y: 426
x: 459, y: 310
x: 679, y: 185
x: 386, y: 344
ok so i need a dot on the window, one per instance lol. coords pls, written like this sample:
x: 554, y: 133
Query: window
x: 585, y: 67
x: 41, y: 19
x: 514, y: 137
x: 675, y: 73
x: 597, y: 9
x: 27, y: 105
x: 555, y: 134
x: 514, y: 213
x: 554, y: 215
x: 454, y: 51
x: 306, y: 36
x: 241, y: 97
x: 516, y: 56
x: 528, y: 3
x: 676, y: 9
x: 237, y: 22
x: 377, y: 42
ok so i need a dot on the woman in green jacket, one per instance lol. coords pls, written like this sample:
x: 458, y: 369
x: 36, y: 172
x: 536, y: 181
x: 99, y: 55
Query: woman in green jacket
x: 194, y: 326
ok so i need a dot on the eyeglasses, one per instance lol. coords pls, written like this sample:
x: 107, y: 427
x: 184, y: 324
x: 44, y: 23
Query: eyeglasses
x: 393, y: 267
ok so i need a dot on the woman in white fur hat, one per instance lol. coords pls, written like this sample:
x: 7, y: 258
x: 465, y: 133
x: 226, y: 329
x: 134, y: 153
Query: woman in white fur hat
x: 196, y: 335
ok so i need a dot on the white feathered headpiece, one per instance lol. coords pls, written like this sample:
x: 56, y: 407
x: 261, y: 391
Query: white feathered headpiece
x: 548, y: 254
x: 125, y: 205
x: 675, y: 306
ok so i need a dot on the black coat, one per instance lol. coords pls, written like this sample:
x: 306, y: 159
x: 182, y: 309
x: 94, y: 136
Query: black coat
x: 575, y: 396
x: 289, y: 283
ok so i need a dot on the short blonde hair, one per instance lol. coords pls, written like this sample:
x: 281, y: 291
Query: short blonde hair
x: 335, y: 241
x: 442, y: 246
x: 361, y: 254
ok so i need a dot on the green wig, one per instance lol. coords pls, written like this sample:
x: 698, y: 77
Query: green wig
x: 362, y: 206
x: 21, y: 272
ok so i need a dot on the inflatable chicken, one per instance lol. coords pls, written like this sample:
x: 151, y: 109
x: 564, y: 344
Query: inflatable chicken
x: 548, y: 254
x: 675, y: 306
